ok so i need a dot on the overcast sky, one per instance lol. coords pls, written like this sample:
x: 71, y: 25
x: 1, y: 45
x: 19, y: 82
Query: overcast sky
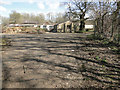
x: 31, y: 6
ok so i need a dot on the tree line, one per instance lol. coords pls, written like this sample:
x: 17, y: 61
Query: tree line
x: 18, y: 18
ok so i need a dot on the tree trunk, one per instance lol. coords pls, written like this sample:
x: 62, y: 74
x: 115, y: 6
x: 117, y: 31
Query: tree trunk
x: 111, y: 37
x: 71, y: 28
x: 82, y: 25
x: 82, y: 22
x: 75, y: 28
x: 118, y: 8
x: 95, y: 27
x: 64, y: 28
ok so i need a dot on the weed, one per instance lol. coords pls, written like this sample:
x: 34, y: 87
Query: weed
x: 105, y: 41
x: 102, y: 60
x: 97, y: 58
x: 86, y: 79
x: 82, y: 68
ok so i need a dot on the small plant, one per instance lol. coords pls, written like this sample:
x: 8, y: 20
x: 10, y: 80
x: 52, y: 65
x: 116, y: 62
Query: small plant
x: 113, y: 48
x: 103, y: 60
x: 86, y: 78
x: 97, y: 58
x: 82, y: 68
x: 105, y: 42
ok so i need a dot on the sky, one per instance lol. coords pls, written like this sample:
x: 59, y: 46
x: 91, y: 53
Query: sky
x: 31, y: 6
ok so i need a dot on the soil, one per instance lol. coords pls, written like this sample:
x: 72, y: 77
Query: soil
x: 59, y: 60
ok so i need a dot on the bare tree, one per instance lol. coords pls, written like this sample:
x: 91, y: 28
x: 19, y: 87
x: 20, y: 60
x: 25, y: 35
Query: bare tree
x: 78, y: 9
x: 107, y: 16
x: 102, y: 14
x: 41, y: 18
x: 60, y: 17
x: 50, y: 17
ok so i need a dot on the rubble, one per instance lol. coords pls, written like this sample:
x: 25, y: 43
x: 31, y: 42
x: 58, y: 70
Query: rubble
x: 30, y: 30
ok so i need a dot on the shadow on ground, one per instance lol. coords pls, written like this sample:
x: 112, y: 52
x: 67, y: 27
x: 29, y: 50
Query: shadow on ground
x: 49, y: 58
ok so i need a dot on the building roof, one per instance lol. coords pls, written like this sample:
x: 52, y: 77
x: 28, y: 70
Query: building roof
x: 30, y: 22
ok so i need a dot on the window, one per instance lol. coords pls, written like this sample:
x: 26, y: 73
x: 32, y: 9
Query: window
x: 44, y: 27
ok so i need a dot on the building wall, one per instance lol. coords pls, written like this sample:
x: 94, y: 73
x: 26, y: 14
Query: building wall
x: 70, y: 27
x: 48, y: 27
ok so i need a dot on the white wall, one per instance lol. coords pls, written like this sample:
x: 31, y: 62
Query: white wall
x: 47, y: 27
x: 89, y: 26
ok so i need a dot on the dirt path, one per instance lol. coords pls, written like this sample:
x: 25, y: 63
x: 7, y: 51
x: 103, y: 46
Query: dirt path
x: 56, y: 61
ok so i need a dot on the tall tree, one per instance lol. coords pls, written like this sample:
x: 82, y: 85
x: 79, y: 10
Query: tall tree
x: 26, y: 17
x: 40, y: 18
x: 15, y: 17
x: 103, y: 13
x: 50, y: 17
x: 78, y: 9
x: 4, y: 21
x: 118, y: 24
x: 60, y: 17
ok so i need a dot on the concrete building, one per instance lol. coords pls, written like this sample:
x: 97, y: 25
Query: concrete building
x: 70, y: 26
x: 47, y: 25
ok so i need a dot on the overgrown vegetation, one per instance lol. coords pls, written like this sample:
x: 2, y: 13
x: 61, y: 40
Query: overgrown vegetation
x: 106, y: 16
x: 107, y: 21
x: 103, y: 40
